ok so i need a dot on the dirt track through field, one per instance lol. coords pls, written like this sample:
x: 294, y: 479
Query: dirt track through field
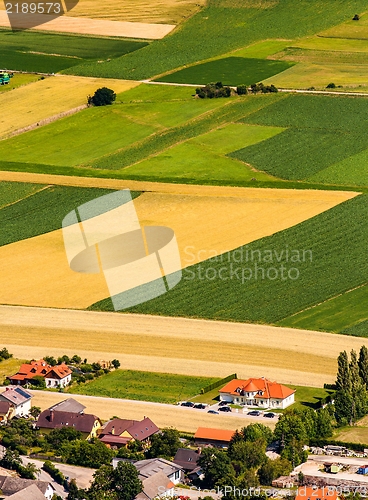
x: 85, y: 26
x: 176, y: 345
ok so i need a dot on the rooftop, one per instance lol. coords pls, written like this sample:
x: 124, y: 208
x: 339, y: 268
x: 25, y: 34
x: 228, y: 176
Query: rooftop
x: 264, y: 387
x: 213, y: 434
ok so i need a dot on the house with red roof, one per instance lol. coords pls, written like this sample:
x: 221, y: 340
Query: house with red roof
x: 119, y: 432
x: 215, y: 437
x: 259, y: 392
x: 55, y: 376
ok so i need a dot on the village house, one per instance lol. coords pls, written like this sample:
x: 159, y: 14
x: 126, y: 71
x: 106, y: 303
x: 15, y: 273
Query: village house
x: 214, y: 437
x: 16, y: 488
x: 188, y: 460
x: 258, y: 392
x: 55, y: 376
x: 19, y: 399
x: 70, y: 405
x: 6, y: 411
x: 119, y: 432
x: 86, y: 423
x: 152, y: 466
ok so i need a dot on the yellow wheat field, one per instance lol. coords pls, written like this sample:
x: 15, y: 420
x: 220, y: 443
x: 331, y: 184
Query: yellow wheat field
x: 284, y: 354
x: 138, y: 11
x: 183, y: 419
x: 47, y: 98
x: 36, y: 271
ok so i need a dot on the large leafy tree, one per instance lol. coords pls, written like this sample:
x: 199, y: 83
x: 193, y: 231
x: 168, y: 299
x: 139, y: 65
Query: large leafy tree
x: 121, y: 483
x: 343, y: 379
x: 363, y: 365
x: 165, y: 444
x: 216, y: 467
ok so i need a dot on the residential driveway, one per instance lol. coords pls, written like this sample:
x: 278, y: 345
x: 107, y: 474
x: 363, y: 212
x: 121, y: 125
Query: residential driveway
x: 43, y: 476
x: 82, y: 475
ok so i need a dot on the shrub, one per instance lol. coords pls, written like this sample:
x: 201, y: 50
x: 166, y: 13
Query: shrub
x: 242, y: 90
x: 102, y: 97
x: 331, y: 86
x: 356, y: 17
x: 55, y: 473
x: 212, y: 90
x: 5, y: 354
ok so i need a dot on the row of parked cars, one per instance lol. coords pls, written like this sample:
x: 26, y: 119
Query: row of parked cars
x: 223, y: 407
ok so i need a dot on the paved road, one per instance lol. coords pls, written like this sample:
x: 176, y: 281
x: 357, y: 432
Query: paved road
x: 43, y: 476
x: 301, y: 91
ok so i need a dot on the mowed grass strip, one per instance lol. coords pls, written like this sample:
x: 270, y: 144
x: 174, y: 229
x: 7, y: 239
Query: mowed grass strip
x: 229, y: 71
x: 314, y: 141
x: 145, y: 386
x: 220, y: 28
x: 47, y: 98
x: 331, y: 316
x: 336, y: 262
x: 18, y: 80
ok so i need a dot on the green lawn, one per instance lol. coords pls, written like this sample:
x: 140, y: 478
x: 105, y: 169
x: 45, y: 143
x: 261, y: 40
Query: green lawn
x: 338, y: 264
x: 146, y: 386
x: 9, y: 367
x: 308, y: 396
x: 43, y: 211
x: 229, y: 71
x: 32, y: 51
x: 331, y: 316
x: 225, y: 26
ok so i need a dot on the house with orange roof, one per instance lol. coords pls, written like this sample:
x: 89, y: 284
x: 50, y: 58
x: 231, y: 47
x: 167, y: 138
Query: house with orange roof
x: 259, y: 392
x: 313, y: 493
x: 215, y: 437
x: 55, y: 376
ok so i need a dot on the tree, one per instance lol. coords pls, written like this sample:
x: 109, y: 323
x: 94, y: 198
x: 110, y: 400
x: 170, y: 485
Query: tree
x: 76, y: 360
x: 57, y: 437
x: 165, y: 444
x: 272, y: 469
x: 242, y: 90
x: 356, y: 17
x: 363, y: 365
x: 216, y: 467
x: 102, y: 97
x: 5, y: 354
x: 35, y: 411
x: 254, y: 432
x: 50, y: 360
x: 74, y: 492
x: 248, y: 454
x: 38, y: 381
x: 331, y: 86
x: 80, y: 452
x: 115, y: 363
x: 121, y: 483
x: 290, y: 427
x: 323, y: 423
x: 343, y: 380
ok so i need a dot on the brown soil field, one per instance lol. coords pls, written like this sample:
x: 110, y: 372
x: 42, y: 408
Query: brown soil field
x: 36, y: 271
x: 136, y: 11
x: 287, y: 355
x: 85, y: 26
x: 27, y: 105
x: 184, y: 419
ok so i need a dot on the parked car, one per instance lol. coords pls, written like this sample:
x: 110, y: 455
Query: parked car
x: 254, y: 413
x: 269, y: 415
x: 213, y: 412
x: 224, y: 408
x: 189, y: 404
x: 199, y: 406
x: 223, y: 403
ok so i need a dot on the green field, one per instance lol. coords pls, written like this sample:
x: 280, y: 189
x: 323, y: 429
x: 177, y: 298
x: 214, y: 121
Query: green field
x: 308, y: 396
x: 313, y: 141
x: 51, y: 53
x: 229, y: 71
x: 358, y: 330
x: 11, y: 192
x: 18, y: 80
x: 145, y: 386
x: 43, y: 211
x: 331, y: 316
x: 224, y: 26
x: 337, y: 263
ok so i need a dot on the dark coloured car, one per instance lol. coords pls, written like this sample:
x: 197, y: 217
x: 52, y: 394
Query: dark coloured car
x: 254, y: 413
x: 213, y: 412
x: 225, y: 408
x: 189, y: 404
x: 199, y: 406
x: 269, y: 415
x: 223, y: 403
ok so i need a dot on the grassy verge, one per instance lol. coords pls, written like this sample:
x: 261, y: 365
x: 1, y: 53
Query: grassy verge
x: 9, y: 367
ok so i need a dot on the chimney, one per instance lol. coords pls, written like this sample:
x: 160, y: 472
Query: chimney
x: 113, y: 430
x: 199, y: 450
x: 51, y: 415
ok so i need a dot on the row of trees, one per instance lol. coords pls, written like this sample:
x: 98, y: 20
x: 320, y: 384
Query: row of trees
x: 213, y: 90
x: 351, y: 399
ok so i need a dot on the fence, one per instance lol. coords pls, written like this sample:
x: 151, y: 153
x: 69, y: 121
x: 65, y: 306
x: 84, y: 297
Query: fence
x: 214, y: 385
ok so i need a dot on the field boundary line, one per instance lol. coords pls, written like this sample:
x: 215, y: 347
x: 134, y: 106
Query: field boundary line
x: 324, y: 302
x: 44, y: 121
x: 25, y: 197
